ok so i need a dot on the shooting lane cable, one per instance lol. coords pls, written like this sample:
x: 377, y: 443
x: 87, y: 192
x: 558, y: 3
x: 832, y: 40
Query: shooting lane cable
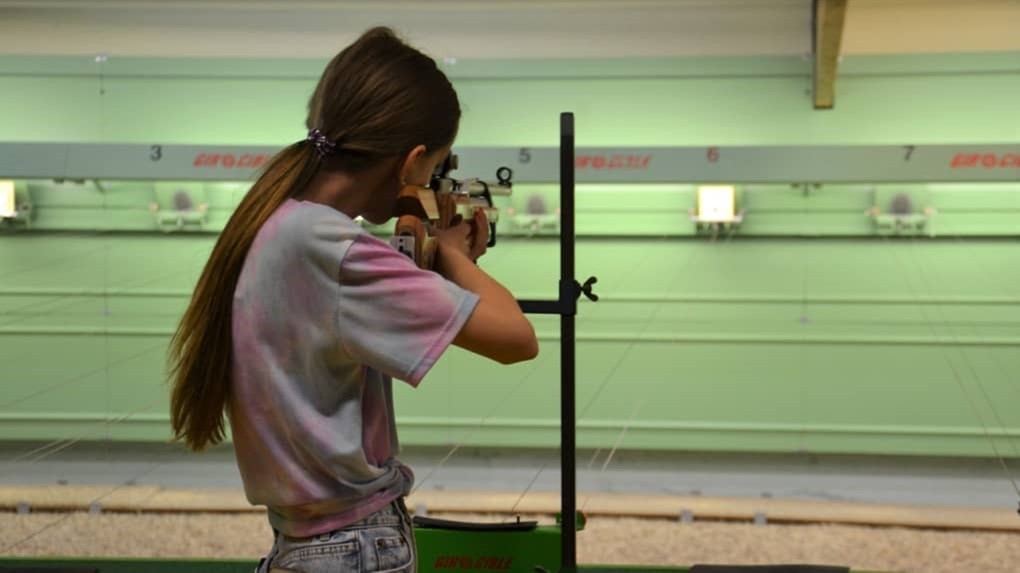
x: 955, y: 343
x: 698, y: 250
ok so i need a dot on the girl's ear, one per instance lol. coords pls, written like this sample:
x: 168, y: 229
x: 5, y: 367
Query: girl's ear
x: 414, y: 158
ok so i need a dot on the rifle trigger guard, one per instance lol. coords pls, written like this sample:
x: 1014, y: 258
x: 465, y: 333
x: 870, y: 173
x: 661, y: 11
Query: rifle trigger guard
x: 492, y: 235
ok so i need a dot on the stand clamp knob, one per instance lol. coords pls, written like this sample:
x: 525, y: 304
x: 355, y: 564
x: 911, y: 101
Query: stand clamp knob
x: 586, y: 289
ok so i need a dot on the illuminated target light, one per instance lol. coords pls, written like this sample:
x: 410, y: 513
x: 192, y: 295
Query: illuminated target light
x: 8, y: 205
x: 717, y: 208
x: 717, y: 204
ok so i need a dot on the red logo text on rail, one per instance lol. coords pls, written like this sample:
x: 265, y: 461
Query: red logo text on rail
x: 230, y: 161
x: 613, y: 161
x: 985, y: 160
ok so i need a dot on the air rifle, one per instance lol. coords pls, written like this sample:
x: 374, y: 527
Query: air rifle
x: 418, y: 214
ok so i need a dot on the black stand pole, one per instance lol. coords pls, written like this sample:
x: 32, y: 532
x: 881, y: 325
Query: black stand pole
x: 566, y: 306
x: 568, y: 357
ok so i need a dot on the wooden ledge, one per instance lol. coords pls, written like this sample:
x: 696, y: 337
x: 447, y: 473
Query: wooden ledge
x: 154, y: 499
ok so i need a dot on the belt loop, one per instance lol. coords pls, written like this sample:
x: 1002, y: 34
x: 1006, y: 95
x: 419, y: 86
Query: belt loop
x: 405, y: 516
x: 265, y: 564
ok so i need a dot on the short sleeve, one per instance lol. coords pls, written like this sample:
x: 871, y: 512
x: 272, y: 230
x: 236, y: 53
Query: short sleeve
x: 395, y: 316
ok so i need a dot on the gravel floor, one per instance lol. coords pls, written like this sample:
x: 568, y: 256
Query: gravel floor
x: 604, y: 541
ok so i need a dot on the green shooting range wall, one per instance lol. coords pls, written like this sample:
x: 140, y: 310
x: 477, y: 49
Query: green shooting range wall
x: 807, y: 332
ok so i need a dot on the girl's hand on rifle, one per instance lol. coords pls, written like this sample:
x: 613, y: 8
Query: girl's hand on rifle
x: 479, y: 235
x: 468, y: 238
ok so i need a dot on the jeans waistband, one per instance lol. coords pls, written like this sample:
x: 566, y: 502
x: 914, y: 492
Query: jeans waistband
x: 393, y: 514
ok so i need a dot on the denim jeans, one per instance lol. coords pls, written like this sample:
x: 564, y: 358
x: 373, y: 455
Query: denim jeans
x: 381, y: 543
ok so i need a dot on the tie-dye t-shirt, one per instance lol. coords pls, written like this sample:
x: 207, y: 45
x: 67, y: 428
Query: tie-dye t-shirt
x: 325, y: 316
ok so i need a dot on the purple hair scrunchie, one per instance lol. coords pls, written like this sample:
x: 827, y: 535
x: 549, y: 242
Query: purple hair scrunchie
x: 322, y: 143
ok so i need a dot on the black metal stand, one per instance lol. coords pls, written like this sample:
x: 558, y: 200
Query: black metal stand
x: 566, y: 306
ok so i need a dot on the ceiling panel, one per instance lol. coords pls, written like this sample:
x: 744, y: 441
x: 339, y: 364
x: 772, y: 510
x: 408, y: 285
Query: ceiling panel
x: 486, y: 29
x: 931, y: 26
x: 498, y: 28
